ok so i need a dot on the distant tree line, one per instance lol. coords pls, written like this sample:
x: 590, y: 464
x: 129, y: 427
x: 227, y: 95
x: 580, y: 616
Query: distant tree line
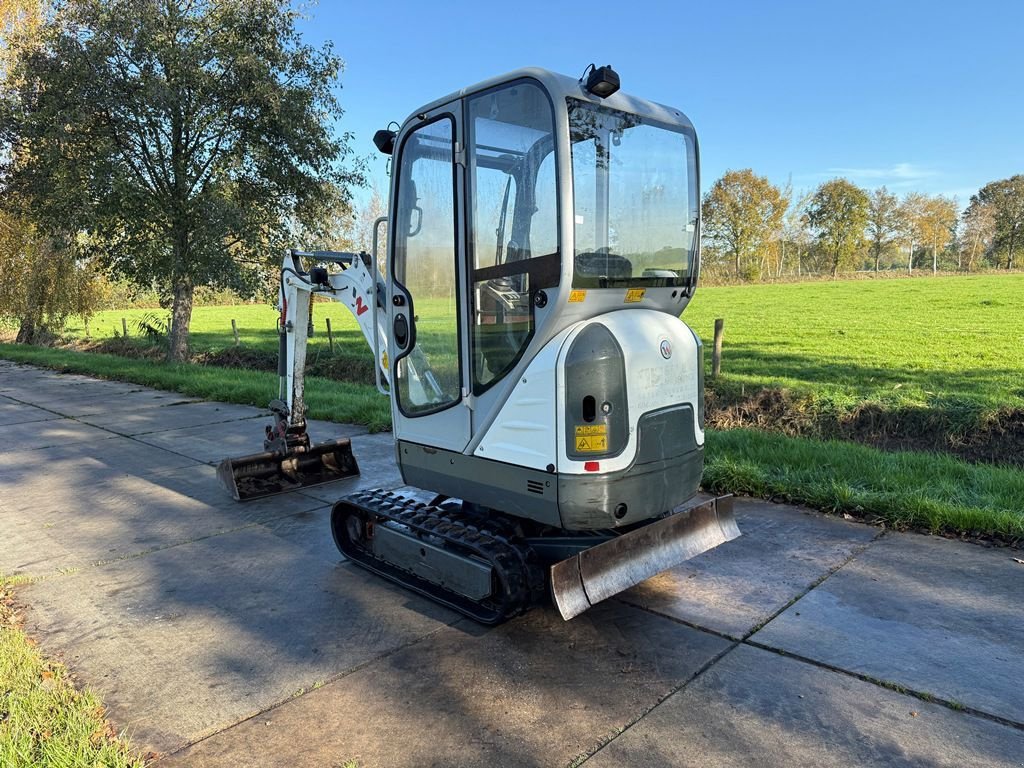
x: 756, y: 230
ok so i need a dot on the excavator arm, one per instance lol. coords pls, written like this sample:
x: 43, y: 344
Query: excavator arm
x: 289, y: 460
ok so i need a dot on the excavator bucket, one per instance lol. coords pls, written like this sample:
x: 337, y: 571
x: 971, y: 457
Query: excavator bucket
x: 273, y: 472
x: 599, y: 572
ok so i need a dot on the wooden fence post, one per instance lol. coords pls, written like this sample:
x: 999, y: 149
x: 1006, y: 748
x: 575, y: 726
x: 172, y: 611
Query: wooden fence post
x: 124, y: 327
x: 716, y: 355
x: 330, y: 335
x: 234, y: 330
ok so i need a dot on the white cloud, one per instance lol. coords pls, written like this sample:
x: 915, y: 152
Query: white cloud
x: 898, y: 175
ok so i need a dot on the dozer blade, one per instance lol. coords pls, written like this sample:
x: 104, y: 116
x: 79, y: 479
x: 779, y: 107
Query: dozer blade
x: 604, y: 570
x: 268, y: 473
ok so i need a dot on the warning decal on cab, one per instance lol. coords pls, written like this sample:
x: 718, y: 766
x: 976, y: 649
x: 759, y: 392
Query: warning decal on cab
x: 633, y: 295
x: 575, y: 297
x: 591, y: 438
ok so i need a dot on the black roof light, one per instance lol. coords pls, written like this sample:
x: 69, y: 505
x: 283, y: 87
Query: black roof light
x: 384, y: 140
x: 602, y: 81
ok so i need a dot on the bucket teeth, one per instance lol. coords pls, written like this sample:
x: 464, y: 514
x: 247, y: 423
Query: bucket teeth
x: 270, y: 473
x: 607, y: 569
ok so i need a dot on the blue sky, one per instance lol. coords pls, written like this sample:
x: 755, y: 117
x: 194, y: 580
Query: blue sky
x: 923, y: 96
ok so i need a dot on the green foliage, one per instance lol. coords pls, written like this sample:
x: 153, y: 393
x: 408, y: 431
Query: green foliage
x: 152, y: 327
x: 1003, y: 201
x: 185, y: 138
x: 742, y: 213
x: 883, y: 223
x: 43, y: 281
x: 838, y: 212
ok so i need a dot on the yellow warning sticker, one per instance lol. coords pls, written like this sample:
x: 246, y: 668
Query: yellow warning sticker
x: 633, y: 295
x: 575, y: 297
x: 384, y: 361
x: 591, y: 438
x: 591, y: 444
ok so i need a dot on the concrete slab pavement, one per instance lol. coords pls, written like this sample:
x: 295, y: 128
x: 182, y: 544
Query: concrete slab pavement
x: 189, y: 640
x: 933, y: 615
x: 13, y: 412
x: 535, y: 691
x: 229, y: 634
x: 172, y: 416
x: 755, y: 708
x: 32, y: 435
x: 734, y: 589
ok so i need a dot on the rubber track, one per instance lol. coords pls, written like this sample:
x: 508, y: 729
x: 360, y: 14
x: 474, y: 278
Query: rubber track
x: 519, y: 578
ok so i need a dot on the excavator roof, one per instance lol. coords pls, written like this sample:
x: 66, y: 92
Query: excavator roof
x: 562, y: 86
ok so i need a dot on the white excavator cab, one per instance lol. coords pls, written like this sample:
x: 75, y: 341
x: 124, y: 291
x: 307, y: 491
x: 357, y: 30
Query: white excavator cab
x: 522, y: 208
x: 542, y: 241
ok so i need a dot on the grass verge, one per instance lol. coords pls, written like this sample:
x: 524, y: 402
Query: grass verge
x: 325, y: 399
x: 901, y: 489
x: 45, y: 722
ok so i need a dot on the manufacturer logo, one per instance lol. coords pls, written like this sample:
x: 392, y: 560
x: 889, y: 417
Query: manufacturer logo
x: 666, y: 349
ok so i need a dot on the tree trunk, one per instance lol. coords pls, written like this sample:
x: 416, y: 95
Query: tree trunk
x: 26, y: 331
x: 181, y: 317
x: 910, y: 260
x: 878, y: 253
x: 935, y: 258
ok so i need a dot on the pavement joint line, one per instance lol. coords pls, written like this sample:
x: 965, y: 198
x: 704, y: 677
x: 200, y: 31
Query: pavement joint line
x: 855, y: 552
x: 745, y: 640
x: 129, y: 437
x: 175, y: 429
x: 677, y: 620
x: 104, y: 429
x: 144, y: 553
x: 140, y: 434
x: 930, y: 698
x: 325, y: 682
x: 583, y: 757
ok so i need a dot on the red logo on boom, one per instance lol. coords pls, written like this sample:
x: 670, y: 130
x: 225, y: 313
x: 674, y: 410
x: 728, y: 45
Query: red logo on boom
x: 360, y: 307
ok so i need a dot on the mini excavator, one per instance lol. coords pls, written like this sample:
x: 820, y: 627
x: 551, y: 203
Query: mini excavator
x: 542, y: 240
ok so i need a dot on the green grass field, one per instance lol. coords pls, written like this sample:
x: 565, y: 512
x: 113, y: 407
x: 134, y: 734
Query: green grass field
x: 919, y: 340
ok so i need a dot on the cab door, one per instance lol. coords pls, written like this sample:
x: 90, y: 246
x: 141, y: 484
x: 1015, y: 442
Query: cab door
x: 427, y: 288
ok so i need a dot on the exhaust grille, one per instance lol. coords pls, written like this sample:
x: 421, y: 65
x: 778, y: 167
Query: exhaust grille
x: 535, y: 486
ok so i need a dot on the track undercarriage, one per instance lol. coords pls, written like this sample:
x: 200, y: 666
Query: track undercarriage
x: 491, y: 567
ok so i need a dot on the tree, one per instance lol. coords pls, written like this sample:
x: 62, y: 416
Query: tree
x: 183, y: 137
x: 43, y: 281
x: 911, y: 215
x: 937, y: 221
x: 883, y: 222
x: 977, y: 231
x: 794, y: 237
x: 838, y: 213
x: 741, y: 215
x: 1005, y: 200
x: 42, y: 278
